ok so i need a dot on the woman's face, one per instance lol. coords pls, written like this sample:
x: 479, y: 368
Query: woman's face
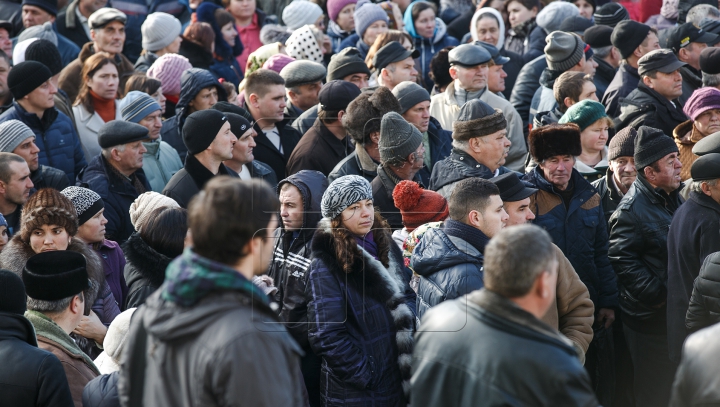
x: 585, y: 8
x: 346, y: 18
x: 93, y: 230
x: 3, y: 236
x: 105, y: 82
x: 708, y: 122
x: 594, y: 137
x: 358, y: 218
x: 372, y: 32
x: 425, y: 23
x: 518, y: 14
x: 48, y: 238
x: 160, y: 98
x: 229, y: 33
x: 488, y: 30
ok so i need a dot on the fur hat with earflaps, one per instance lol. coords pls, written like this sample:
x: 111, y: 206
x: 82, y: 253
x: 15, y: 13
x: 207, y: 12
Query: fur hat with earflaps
x: 364, y: 114
x: 554, y: 139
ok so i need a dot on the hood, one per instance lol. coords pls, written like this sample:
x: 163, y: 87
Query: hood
x: 436, y: 252
x: 206, y: 13
x: 438, y: 34
x: 144, y: 260
x: 498, y: 17
x: 192, y: 82
x: 312, y: 185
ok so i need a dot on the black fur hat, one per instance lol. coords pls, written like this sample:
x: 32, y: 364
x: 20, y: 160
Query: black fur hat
x: 554, y: 139
x: 364, y: 114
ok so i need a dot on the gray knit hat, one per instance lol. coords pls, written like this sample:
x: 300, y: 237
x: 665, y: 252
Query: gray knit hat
x: 159, y: 30
x: 299, y: 13
x: 651, y: 145
x: 409, y: 94
x: 44, y: 32
x: 298, y: 73
x: 477, y: 119
x: 342, y: 193
x: 12, y: 134
x: 137, y: 105
x: 563, y: 50
x: 398, y: 138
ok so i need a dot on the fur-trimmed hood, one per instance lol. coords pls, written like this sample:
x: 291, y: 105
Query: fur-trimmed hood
x: 144, y: 261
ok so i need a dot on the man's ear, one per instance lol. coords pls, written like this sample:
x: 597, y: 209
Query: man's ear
x: 77, y: 306
x: 568, y: 102
x: 474, y: 218
x: 647, y: 82
x: 3, y: 187
x: 453, y: 72
x: 253, y: 99
x: 114, y: 154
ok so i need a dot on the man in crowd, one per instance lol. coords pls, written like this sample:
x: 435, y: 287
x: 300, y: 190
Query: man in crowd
x: 480, y: 147
x: 568, y: 89
x: 72, y: 22
x: 606, y: 55
x: 621, y: 172
x: 243, y: 160
x: 107, y: 32
x: 303, y: 80
x: 117, y: 175
x: 210, y: 283
x: 31, y: 84
x: 395, y: 64
x: 327, y: 142
x: 210, y: 141
x: 496, y: 73
x: 17, y: 138
x: 55, y: 282
x: 639, y: 255
x: 6, y: 96
x: 469, y: 69
x: 710, y: 67
x: 449, y: 260
x: 633, y: 40
x: 46, y: 53
x: 687, y: 42
x: 265, y: 100
x: 39, y: 12
x: 655, y: 101
x: 15, y: 187
x: 449, y: 367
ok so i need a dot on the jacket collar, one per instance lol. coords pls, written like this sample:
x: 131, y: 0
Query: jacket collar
x: 463, y: 157
x: 610, y: 184
x: 32, y: 120
x: 657, y: 196
x: 153, y: 148
x: 390, y: 180
x: 340, y: 147
x: 691, y: 76
x: 605, y: 70
x: 70, y: 18
x: 18, y: 327
x: 704, y: 200
x: 661, y: 100
x: 579, y: 183
x: 625, y: 67
x: 120, y: 184
x: 365, y: 162
x: 199, y: 173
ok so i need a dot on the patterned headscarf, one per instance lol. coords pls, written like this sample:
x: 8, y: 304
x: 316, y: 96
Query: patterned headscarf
x: 303, y: 45
x: 342, y: 193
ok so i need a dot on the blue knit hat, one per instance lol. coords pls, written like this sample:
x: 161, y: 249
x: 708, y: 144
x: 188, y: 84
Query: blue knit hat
x: 137, y: 105
x: 367, y: 13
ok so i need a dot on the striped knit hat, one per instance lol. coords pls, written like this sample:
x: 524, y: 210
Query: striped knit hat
x: 137, y: 105
x: 342, y: 193
x: 12, y: 134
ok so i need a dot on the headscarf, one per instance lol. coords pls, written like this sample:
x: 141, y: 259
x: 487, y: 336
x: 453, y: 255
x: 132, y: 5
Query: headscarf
x: 501, y: 25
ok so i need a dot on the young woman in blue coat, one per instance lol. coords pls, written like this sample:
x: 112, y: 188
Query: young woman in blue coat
x: 227, y: 42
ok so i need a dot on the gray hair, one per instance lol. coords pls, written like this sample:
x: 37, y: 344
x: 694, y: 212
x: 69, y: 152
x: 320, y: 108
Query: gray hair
x: 463, y: 145
x: 696, y: 186
x: 697, y: 13
x: 711, y: 80
x: 107, y: 152
x: 511, y: 269
x: 51, y: 307
x: 602, y: 52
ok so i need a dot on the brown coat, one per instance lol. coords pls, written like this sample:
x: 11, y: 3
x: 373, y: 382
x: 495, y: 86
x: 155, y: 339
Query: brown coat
x: 686, y: 136
x: 78, y: 372
x: 71, y: 80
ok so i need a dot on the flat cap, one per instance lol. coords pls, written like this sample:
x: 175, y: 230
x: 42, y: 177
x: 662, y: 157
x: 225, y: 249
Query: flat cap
x: 392, y: 52
x: 706, y: 167
x: 104, y: 16
x: 298, y: 73
x: 469, y: 55
x: 707, y: 145
x: 119, y: 132
x: 662, y: 60
x: 497, y: 58
x: 710, y: 60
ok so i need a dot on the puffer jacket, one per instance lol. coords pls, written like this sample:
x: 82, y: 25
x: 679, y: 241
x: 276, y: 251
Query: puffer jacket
x: 102, y: 391
x: 144, y: 270
x: 527, y: 84
x: 623, y: 83
x: 428, y: 47
x: 291, y: 257
x: 579, y: 230
x: 160, y: 163
x: 697, y: 381
x: 638, y: 252
x: 646, y: 107
x: 456, y: 167
x: 704, y: 308
x: 49, y: 177
x: 191, y: 83
x: 56, y: 138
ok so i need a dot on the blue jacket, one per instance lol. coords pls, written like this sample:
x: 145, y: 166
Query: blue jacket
x: 225, y: 65
x: 579, y: 231
x: 337, y: 36
x: 354, y: 40
x: 56, y: 138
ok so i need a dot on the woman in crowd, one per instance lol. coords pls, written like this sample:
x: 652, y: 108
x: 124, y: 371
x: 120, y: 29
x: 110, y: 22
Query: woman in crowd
x: 168, y: 70
x: 521, y: 15
x: 703, y: 109
x: 160, y: 36
x: 370, y: 21
x: 96, y: 103
x: 586, y: 8
x: 153, y: 87
x: 249, y: 20
x: 227, y: 42
x: 429, y: 35
x: 308, y: 43
x: 382, y: 40
x: 361, y: 310
x: 4, y: 236
x: 594, y: 125
x: 342, y: 21
x: 198, y: 45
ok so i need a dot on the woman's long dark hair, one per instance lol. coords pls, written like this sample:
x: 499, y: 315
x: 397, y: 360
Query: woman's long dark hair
x: 90, y: 67
x: 165, y: 231
x: 346, y: 248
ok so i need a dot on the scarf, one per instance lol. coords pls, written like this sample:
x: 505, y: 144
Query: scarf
x: 472, y: 235
x: 191, y: 277
x: 103, y: 107
x: 367, y: 242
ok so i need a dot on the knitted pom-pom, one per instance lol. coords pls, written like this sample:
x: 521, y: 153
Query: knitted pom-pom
x: 406, y: 195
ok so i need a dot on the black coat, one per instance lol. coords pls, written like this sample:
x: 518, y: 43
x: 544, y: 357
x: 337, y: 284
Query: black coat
x: 694, y: 234
x: 319, y: 150
x: 29, y: 376
x: 144, y: 270
x: 187, y: 182
x: 625, y: 81
x: 266, y: 152
x: 691, y: 80
x: 69, y: 25
x: 646, y: 107
x: 604, y: 74
x: 145, y: 61
x: 102, y: 391
x: 351, y: 166
x: 49, y: 177
x: 263, y: 171
x: 704, y: 308
x: 528, y: 81
x: 383, y: 186
x: 458, y: 166
x: 697, y: 381
x: 609, y: 196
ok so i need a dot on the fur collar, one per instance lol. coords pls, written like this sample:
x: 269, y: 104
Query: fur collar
x: 145, y: 260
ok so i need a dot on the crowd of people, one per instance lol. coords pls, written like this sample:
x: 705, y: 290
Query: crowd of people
x: 350, y: 203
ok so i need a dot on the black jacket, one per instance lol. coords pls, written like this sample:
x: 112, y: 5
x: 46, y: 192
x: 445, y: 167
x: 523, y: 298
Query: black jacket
x: 198, y: 56
x: 625, y: 81
x: 49, y: 177
x: 187, y: 182
x: 458, y: 166
x: 440, y: 146
x: 691, y: 80
x: 646, y: 107
x: 704, y: 308
x: 144, y: 270
x: 263, y: 171
x: 604, y: 74
x: 638, y: 252
x: 383, y: 186
x: 351, y: 166
x: 145, y: 61
x: 70, y: 26
x: 609, y: 196
x: 29, y: 376
x: 102, y: 391
x: 697, y: 381
x: 319, y: 150
x: 528, y: 81
x: 266, y: 152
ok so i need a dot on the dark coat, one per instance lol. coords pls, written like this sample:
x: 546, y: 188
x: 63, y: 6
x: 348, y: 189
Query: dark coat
x: 113, y: 261
x: 56, y: 138
x: 192, y: 178
x: 512, y: 69
x: 49, y: 177
x: 383, y: 186
x: 646, y: 107
x: 526, y: 40
x: 224, y: 65
x: 691, y: 80
x: 548, y: 117
x: 440, y: 141
x: 354, y: 40
x: 694, y: 235
x: 638, y: 253
x: 198, y: 56
x: 68, y: 24
x: 609, y: 196
x: 469, y: 349
x: 144, y: 270
x: 263, y: 171
x: 528, y: 81
x: 704, y: 308
x: 351, y: 166
x: 429, y: 47
x: 458, y: 166
x: 579, y: 230
x: 697, y: 381
x: 623, y: 83
x: 319, y: 150
x: 306, y: 120
x: 145, y: 61
x: 102, y: 391
x: 365, y: 338
x: 266, y: 152
x: 29, y: 376
x: 604, y: 74
x: 11, y: 11
x: 117, y: 194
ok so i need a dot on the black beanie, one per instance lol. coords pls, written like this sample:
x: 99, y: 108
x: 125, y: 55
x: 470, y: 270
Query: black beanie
x: 52, y: 276
x: 200, y: 129
x: 651, y: 145
x: 346, y: 62
x: 238, y: 124
x: 628, y: 35
x: 611, y: 14
x: 27, y: 76
x: 12, y: 293
x: 46, y: 53
x: 623, y: 144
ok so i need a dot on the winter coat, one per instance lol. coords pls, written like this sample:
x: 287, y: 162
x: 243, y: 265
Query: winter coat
x: 144, y: 270
x: 160, y: 163
x: 469, y: 348
x: 263, y: 171
x: 357, y: 163
x: 696, y: 380
x: 459, y: 26
x: 354, y: 40
x: 56, y: 138
x: 290, y: 264
x: 88, y: 125
x: 116, y: 191
x: 306, y: 120
x: 113, y: 263
x: 527, y: 83
x: 579, y: 230
x: 646, y: 107
x: 11, y: 11
x: 71, y: 76
x: 361, y: 325
x: 548, y: 117
x: 604, y: 74
x: 383, y: 186
x: 704, y: 305
x: 694, y: 235
x: 29, y: 376
x: 445, y: 108
x: 623, y: 83
x: 319, y: 150
x: 191, y: 179
x: 49, y: 177
x: 686, y: 136
x: 609, y: 195
x: 102, y: 391
x: 544, y: 98
x: 198, y: 56
x: 266, y: 152
x: 440, y: 141
x: 145, y: 61
x: 337, y: 35
x: 456, y: 167
x: 639, y: 254
x: 691, y: 81
x: 68, y: 24
x: 526, y: 40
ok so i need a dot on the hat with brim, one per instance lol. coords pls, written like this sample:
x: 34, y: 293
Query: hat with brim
x: 706, y: 168
x: 8, y: 26
x: 512, y: 189
x: 494, y: 53
x: 393, y: 52
x: 661, y: 60
x: 707, y: 145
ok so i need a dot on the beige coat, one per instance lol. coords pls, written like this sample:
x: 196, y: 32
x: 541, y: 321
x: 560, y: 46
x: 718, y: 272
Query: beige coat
x: 446, y: 109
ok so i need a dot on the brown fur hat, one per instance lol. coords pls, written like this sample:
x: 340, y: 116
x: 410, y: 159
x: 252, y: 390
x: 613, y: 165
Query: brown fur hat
x: 48, y: 207
x: 554, y: 139
x: 364, y: 114
x: 477, y: 119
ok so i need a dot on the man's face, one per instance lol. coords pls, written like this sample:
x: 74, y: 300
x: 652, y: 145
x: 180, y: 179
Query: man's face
x: 267, y: 246
x: 291, y: 207
x: 242, y: 9
x: 590, y: 66
x: 668, y: 178
x: 222, y: 145
x: 91, y: 6
x: 588, y: 91
x: 152, y: 122
x: 243, y: 149
x: 651, y: 43
x: 18, y: 189
x: 494, y: 217
x: 668, y: 85
x: 419, y: 157
x: 271, y: 106
x: 5, y: 42
x: 558, y: 169
x: 624, y: 171
x: 205, y: 99
x: 496, y: 78
x: 132, y: 157
x: 691, y: 54
x: 42, y: 97
x: 307, y: 95
x: 401, y: 71
x: 359, y: 79
x: 29, y: 151
x: 471, y: 79
x: 32, y: 16
x: 519, y: 212
x: 109, y: 38
x: 708, y: 122
x: 4, y: 71
x: 494, y: 149
x: 419, y: 116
